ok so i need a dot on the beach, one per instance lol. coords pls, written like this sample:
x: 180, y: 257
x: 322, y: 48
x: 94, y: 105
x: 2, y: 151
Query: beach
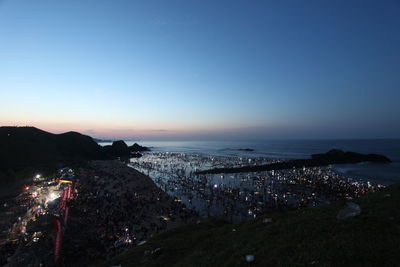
x: 114, y: 208
x: 242, y: 196
x: 296, y: 149
x: 114, y: 205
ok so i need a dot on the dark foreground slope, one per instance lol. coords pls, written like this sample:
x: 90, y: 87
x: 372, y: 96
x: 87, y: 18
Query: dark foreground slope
x: 308, y: 237
x: 23, y: 149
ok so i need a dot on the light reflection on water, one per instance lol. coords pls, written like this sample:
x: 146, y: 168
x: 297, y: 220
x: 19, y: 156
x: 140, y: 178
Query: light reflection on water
x: 243, y: 195
x: 295, y: 149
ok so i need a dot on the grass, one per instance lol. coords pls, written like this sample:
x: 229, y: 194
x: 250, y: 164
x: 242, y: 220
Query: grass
x: 307, y: 237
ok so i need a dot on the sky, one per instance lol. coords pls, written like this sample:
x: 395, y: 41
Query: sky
x: 196, y: 70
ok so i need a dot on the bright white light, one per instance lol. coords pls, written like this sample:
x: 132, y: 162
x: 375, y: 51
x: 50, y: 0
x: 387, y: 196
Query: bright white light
x: 52, y: 196
x: 37, y: 176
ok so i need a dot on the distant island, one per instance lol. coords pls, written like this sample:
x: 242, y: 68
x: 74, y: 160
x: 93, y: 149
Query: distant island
x: 334, y: 156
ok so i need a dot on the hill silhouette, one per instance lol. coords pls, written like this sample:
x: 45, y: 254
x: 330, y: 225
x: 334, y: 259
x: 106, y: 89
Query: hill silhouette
x: 27, y: 149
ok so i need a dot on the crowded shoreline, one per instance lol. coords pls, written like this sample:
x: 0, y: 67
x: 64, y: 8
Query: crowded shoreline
x: 115, y: 206
x: 242, y: 196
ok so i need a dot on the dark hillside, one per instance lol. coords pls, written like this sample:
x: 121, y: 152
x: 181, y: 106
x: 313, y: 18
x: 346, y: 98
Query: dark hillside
x: 26, y: 148
x: 73, y: 144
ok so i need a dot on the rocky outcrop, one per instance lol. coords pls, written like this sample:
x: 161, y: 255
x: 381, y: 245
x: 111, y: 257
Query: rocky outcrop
x: 117, y: 149
x: 334, y: 156
x: 138, y: 148
x: 339, y: 156
x: 246, y: 149
x: 121, y: 149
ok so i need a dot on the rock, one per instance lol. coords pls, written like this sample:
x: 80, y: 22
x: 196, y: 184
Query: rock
x: 117, y: 149
x: 334, y: 156
x: 138, y: 148
x: 120, y: 147
x: 339, y: 156
x: 351, y: 210
x: 246, y: 149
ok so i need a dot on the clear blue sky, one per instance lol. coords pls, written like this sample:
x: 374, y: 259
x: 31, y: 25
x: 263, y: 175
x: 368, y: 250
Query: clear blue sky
x: 202, y: 69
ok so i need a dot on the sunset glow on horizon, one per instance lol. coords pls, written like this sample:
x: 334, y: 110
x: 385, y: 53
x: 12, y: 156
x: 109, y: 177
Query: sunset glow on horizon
x: 191, y: 70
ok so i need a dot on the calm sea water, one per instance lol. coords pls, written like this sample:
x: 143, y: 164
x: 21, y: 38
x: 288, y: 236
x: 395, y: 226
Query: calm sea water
x: 294, y: 149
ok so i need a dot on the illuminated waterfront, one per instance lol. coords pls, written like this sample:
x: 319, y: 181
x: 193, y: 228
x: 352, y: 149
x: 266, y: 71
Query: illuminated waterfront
x: 245, y: 195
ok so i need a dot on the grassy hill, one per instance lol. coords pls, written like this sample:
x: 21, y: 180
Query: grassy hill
x: 307, y: 237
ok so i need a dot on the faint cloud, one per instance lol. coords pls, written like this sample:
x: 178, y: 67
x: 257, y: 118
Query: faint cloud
x: 160, y: 130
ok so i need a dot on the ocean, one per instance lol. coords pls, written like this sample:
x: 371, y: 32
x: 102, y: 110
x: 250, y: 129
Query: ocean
x: 294, y: 149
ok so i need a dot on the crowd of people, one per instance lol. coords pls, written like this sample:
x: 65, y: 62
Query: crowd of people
x: 113, y: 208
x: 242, y: 196
x: 28, y: 240
x: 116, y: 208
